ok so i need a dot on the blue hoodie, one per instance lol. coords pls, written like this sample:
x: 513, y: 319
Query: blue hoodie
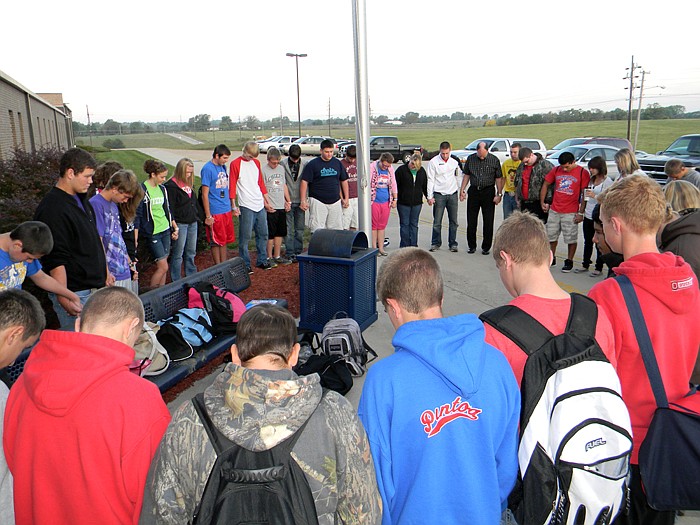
x: 442, y: 415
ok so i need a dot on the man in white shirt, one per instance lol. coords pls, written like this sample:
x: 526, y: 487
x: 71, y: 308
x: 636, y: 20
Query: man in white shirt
x: 442, y: 192
x: 246, y: 184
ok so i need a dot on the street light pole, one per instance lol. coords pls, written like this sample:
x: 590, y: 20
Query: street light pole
x: 296, y: 60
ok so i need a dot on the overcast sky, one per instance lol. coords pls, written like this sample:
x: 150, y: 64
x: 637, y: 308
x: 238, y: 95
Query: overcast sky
x: 153, y: 60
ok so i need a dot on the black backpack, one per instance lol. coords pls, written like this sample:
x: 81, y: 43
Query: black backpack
x: 256, y: 488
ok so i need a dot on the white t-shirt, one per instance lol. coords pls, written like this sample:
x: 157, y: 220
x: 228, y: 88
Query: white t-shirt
x: 247, y: 190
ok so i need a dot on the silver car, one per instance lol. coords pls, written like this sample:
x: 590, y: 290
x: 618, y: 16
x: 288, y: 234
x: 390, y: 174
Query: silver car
x: 585, y: 152
x: 277, y: 142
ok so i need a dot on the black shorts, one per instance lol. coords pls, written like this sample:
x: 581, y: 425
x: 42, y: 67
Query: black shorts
x: 277, y: 224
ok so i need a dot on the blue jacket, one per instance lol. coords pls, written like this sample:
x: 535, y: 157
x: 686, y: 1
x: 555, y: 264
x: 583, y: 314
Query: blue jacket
x: 442, y: 415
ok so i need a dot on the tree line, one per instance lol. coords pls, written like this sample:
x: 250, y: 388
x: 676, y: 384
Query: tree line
x: 204, y: 122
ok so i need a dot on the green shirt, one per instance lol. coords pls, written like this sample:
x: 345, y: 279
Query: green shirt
x: 160, y: 222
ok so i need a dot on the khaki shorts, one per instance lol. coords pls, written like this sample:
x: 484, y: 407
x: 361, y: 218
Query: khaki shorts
x: 350, y: 215
x: 562, y: 223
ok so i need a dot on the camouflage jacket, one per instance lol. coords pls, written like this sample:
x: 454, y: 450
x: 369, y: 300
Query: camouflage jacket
x: 539, y: 172
x: 257, y: 409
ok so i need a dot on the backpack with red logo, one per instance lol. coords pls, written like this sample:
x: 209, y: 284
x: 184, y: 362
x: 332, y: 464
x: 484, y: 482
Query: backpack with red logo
x: 575, y: 430
x: 224, y: 307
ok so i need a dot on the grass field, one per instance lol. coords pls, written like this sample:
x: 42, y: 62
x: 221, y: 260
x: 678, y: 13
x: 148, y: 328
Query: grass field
x: 654, y: 135
x: 140, y: 140
x: 131, y: 160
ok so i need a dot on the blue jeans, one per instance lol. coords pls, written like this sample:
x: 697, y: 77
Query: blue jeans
x: 408, y: 223
x: 450, y: 202
x: 294, y: 241
x: 248, y: 221
x: 67, y: 321
x: 186, y: 244
x: 509, y: 205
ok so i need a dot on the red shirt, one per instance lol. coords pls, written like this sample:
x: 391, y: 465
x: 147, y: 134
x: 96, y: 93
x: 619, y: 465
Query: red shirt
x: 553, y: 314
x: 567, y: 188
x: 669, y: 297
x: 527, y: 171
x: 351, y: 169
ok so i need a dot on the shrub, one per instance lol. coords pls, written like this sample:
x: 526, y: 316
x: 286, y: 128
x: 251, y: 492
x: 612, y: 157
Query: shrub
x: 24, y: 180
x: 113, y: 144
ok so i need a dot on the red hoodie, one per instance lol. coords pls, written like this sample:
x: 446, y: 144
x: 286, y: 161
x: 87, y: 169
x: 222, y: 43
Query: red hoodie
x: 668, y: 294
x: 80, y: 432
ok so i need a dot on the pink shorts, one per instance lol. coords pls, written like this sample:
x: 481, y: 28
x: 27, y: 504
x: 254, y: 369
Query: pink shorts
x: 221, y: 232
x: 380, y: 215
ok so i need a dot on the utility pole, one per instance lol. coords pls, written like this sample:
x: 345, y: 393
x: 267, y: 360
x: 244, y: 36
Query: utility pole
x: 329, y: 117
x: 639, y: 107
x: 281, y: 125
x: 631, y: 76
x: 240, y: 130
x: 89, y: 125
x: 296, y: 57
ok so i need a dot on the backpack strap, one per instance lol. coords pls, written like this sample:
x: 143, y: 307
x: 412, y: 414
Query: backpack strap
x: 583, y: 316
x: 220, y: 442
x: 369, y: 349
x: 518, y: 326
x: 643, y: 340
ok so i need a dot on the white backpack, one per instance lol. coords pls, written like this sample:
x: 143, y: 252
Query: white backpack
x: 576, y: 436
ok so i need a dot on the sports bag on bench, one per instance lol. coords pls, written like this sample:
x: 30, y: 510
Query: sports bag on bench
x: 188, y: 328
x: 151, y: 357
x: 669, y: 457
x: 224, y: 308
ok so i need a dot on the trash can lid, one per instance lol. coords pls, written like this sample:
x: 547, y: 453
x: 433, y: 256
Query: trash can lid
x: 337, y: 243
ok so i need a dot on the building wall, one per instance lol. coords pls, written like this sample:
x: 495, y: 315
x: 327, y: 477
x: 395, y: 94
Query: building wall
x: 28, y: 122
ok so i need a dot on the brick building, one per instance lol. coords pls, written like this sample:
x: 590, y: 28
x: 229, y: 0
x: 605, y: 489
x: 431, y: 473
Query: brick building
x: 31, y: 121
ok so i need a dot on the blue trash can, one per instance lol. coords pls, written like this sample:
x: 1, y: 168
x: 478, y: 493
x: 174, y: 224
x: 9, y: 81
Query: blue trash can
x: 338, y: 274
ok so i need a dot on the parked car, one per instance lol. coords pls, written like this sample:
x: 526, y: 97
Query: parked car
x: 277, y: 142
x: 384, y: 144
x: 686, y: 148
x: 342, y: 146
x: 500, y: 147
x: 309, y: 145
x: 262, y: 141
x: 615, y: 142
x: 608, y: 141
x: 585, y: 152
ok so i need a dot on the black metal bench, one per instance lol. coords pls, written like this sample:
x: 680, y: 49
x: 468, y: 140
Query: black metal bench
x: 163, y: 302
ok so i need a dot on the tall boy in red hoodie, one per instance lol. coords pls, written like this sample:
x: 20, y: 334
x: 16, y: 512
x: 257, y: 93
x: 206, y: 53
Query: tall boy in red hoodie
x: 80, y: 429
x: 632, y: 211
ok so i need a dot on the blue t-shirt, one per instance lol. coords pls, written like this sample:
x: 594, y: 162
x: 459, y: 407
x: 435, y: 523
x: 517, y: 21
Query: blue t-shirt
x: 110, y: 230
x: 324, y: 179
x: 12, y: 274
x: 382, y: 187
x: 216, y: 179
